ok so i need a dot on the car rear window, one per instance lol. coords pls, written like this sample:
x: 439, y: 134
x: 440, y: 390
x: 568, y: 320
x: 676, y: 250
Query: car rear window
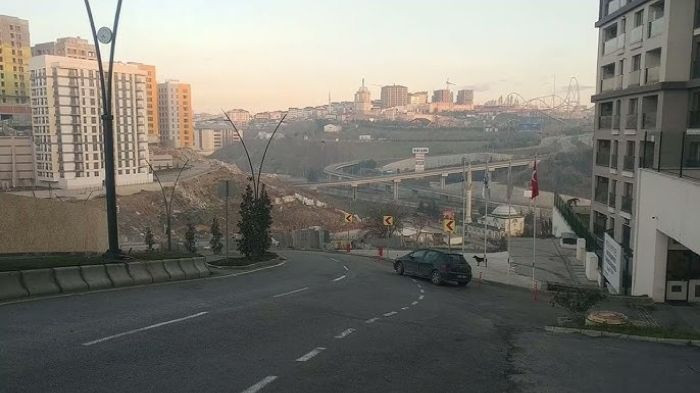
x: 456, y: 258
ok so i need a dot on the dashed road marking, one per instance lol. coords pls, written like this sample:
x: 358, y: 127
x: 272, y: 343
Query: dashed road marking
x: 345, y: 333
x: 291, y: 292
x: 346, y: 268
x: 419, y: 286
x: 422, y: 291
x: 414, y: 303
x: 390, y: 313
x: 311, y: 354
x: 261, y: 384
x: 414, y: 280
x: 333, y: 259
x: 372, y: 320
x: 404, y: 308
x: 421, y: 297
x: 99, y: 340
x: 339, y: 278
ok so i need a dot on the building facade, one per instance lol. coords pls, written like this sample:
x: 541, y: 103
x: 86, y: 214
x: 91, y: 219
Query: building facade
x: 465, y: 97
x: 16, y: 161
x: 175, y: 114
x: 647, y: 83
x: 394, y: 95
x: 66, y: 126
x: 418, y: 98
x: 363, y: 100
x: 15, y: 53
x: 208, y: 140
x: 152, y: 117
x: 73, y: 47
x: 240, y: 117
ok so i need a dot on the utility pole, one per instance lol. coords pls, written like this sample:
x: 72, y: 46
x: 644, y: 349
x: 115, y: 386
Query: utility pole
x: 226, y: 210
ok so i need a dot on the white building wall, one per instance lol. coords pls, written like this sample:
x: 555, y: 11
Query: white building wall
x: 667, y: 206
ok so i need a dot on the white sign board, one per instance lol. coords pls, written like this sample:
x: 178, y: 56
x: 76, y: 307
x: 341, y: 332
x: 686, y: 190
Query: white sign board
x: 421, y: 150
x: 612, y: 263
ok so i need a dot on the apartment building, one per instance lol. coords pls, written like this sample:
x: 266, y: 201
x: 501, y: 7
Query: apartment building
x: 418, y: 98
x: 16, y: 161
x: 14, y: 67
x: 240, y: 117
x: 394, y: 95
x: 648, y: 89
x: 73, y: 47
x: 152, y: 117
x: 362, y: 101
x: 66, y: 126
x: 208, y: 140
x: 465, y: 97
x: 175, y: 114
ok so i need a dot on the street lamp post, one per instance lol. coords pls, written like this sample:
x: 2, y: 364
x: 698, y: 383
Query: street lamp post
x: 106, y: 36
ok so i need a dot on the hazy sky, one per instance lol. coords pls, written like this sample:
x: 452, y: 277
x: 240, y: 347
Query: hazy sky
x: 273, y: 54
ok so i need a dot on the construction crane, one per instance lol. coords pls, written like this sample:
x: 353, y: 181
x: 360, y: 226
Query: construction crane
x: 448, y: 83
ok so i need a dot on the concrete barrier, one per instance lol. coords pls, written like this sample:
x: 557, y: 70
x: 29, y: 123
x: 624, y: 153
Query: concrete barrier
x: 138, y: 271
x: 40, y: 282
x: 11, y: 286
x: 157, y: 271
x: 173, y: 268
x: 202, y: 268
x: 118, y: 275
x: 70, y: 279
x: 96, y: 276
x: 187, y: 266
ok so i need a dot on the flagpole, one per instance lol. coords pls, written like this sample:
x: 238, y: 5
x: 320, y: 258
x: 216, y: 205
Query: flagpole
x: 487, y: 193
x: 534, y: 224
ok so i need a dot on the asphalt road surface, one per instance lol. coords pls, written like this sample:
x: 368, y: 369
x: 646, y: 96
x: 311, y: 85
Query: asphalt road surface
x: 319, y: 323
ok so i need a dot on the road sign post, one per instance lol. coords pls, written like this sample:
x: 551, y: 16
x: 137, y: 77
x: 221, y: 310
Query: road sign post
x: 449, y: 225
x: 348, y: 220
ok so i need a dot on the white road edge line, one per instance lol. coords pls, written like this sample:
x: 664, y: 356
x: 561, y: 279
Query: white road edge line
x: 346, y: 268
x: 372, y: 320
x: 414, y: 303
x: 291, y: 292
x: 419, y: 286
x: 390, y: 313
x: 311, y: 354
x: 99, y: 340
x: 333, y: 259
x: 345, y: 333
x: 261, y: 384
x: 404, y: 308
x: 421, y: 297
x: 247, y: 271
x: 414, y: 280
x: 339, y: 278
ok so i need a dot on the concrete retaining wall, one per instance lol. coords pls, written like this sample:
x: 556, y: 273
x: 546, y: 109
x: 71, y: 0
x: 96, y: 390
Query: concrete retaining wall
x: 173, y: 268
x: 70, y: 279
x: 202, y: 267
x: 40, y: 282
x: 138, y: 271
x: 157, y: 271
x: 187, y: 266
x: 96, y: 276
x: 11, y: 285
x: 118, y: 275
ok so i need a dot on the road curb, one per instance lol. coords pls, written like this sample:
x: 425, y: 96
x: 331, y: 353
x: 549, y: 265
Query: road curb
x: 600, y: 333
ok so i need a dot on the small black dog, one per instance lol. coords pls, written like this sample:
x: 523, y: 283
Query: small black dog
x: 479, y: 260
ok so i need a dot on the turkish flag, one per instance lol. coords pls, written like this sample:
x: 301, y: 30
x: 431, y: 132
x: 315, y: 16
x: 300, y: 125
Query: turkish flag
x: 534, y: 185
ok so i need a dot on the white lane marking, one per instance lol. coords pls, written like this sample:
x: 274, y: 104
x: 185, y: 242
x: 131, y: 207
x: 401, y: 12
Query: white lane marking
x: 419, y: 286
x: 339, y: 278
x: 414, y: 280
x: 261, y: 384
x: 414, y: 303
x: 421, y: 297
x: 345, y: 333
x: 99, y: 340
x: 333, y: 259
x: 346, y: 268
x: 422, y: 291
x: 311, y: 354
x: 390, y: 313
x: 372, y: 320
x: 404, y: 308
x: 291, y: 292
x: 247, y: 271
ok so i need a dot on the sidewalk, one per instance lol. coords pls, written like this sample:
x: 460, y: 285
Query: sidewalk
x: 641, y: 311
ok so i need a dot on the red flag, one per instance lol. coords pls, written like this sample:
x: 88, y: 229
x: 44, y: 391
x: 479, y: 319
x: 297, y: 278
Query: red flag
x: 534, y: 185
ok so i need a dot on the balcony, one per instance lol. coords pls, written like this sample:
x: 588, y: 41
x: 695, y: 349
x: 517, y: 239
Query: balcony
x: 608, y: 84
x: 612, y: 199
x: 634, y: 78
x: 605, y: 122
x: 613, y: 161
x: 694, y: 119
x: 651, y: 75
x: 627, y: 202
x: 612, y: 45
x: 603, y: 158
x: 656, y: 27
x: 649, y: 120
x: 631, y: 121
x: 636, y: 34
x: 628, y: 163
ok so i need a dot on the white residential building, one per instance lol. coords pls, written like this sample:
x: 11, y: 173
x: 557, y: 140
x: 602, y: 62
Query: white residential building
x: 66, y: 125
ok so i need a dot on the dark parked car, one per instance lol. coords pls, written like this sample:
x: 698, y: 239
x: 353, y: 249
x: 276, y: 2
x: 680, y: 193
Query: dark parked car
x: 438, y: 266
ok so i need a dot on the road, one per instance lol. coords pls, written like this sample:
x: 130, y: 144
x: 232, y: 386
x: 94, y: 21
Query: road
x: 319, y: 323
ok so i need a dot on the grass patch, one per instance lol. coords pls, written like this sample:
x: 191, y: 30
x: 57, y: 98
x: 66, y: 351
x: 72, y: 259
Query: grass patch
x: 36, y: 261
x: 648, y: 331
x: 244, y: 261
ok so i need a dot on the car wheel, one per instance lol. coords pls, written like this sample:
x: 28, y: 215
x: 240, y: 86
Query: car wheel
x: 399, y: 268
x: 435, y: 277
x: 462, y: 283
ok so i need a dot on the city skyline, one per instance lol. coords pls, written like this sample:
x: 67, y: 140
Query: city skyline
x: 306, y: 50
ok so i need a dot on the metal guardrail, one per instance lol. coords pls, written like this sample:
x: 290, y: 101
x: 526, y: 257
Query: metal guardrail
x: 579, y: 228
